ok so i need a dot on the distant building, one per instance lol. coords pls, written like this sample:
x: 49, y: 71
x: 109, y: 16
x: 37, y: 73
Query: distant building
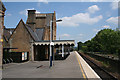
x: 34, y: 36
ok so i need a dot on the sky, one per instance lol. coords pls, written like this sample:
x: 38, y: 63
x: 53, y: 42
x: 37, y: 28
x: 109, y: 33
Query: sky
x: 80, y: 20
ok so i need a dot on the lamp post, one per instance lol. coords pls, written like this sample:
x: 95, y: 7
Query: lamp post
x: 51, y: 38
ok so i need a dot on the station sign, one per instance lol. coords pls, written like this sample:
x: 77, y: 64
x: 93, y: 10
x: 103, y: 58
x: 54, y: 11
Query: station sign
x: 24, y: 56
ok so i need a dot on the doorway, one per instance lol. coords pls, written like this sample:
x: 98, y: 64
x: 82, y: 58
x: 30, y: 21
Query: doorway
x: 39, y: 53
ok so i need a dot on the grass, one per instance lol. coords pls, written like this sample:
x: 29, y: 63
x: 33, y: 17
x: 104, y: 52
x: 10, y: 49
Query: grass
x: 104, y: 64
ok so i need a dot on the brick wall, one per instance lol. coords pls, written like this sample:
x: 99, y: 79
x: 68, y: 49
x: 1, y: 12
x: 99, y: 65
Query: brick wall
x: 20, y: 39
x: 2, y: 12
x: 0, y: 39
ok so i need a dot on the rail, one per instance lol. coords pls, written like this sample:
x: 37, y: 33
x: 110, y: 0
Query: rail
x: 100, y: 71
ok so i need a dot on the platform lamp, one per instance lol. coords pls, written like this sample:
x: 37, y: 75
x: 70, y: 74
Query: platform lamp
x: 51, y: 41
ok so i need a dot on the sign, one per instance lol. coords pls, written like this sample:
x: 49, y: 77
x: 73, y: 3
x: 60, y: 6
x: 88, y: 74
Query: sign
x: 23, y: 58
x: 52, y: 43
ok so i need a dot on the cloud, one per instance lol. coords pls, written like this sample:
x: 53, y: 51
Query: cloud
x: 77, y: 37
x: 93, y: 0
x: 37, y: 11
x: 96, y: 0
x: 114, y: 5
x: 96, y: 30
x: 60, y: 0
x: 113, y: 20
x: 44, y: 1
x: 80, y: 35
x: 65, y: 35
x: 75, y: 20
x: 8, y: 14
x: 93, y: 9
x: 106, y: 26
x: 25, y: 12
x: 108, y: 14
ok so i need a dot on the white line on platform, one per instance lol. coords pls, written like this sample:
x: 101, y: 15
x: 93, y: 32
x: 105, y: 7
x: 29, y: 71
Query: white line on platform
x: 85, y: 65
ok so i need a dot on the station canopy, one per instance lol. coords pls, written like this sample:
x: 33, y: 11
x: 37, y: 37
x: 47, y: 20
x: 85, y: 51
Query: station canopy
x: 55, y: 42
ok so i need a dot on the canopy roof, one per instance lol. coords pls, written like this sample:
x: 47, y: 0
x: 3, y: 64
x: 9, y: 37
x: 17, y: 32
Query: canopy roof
x: 56, y: 42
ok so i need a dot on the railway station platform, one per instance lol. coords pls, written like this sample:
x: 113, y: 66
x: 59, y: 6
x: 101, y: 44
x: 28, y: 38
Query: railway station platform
x: 73, y: 67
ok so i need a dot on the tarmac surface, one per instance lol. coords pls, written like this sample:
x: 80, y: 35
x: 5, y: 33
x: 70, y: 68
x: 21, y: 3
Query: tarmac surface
x: 69, y: 68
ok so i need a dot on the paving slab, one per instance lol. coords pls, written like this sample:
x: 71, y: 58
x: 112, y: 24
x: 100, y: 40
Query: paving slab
x: 70, y: 68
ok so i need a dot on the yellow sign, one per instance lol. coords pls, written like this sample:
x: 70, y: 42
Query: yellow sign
x: 1, y: 40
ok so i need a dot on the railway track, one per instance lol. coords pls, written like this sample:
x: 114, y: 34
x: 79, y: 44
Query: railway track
x: 104, y: 75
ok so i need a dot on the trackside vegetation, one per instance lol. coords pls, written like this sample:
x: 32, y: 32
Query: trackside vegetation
x: 105, y: 48
x: 106, y: 41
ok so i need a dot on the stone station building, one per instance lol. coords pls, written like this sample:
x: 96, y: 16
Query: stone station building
x: 34, y: 36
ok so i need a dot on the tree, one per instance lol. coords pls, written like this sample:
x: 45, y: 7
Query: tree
x: 80, y: 44
x: 106, y: 40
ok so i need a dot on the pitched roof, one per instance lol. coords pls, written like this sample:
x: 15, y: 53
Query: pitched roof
x: 16, y: 28
x: 10, y: 29
x: 7, y: 33
x: 3, y: 7
x: 37, y: 35
x: 40, y: 33
x: 33, y: 34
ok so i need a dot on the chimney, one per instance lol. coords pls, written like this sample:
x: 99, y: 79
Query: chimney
x: 31, y: 19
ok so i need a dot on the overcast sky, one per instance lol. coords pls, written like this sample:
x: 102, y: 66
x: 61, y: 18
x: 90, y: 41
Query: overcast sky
x: 81, y: 20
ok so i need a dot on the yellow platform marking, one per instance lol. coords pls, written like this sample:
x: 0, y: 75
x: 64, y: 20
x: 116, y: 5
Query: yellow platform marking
x: 81, y: 68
